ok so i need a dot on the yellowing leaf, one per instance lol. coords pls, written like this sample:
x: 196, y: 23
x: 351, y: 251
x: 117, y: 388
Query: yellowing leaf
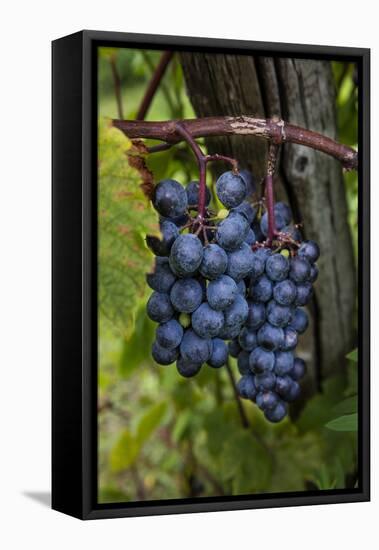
x: 125, y: 217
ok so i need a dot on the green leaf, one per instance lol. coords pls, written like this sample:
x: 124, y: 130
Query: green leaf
x: 124, y: 452
x: 353, y: 355
x: 346, y: 423
x: 181, y: 425
x: 150, y: 421
x: 245, y: 462
x: 125, y: 218
x: 318, y: 409
x: 136, y: 349
x: 347, y: 406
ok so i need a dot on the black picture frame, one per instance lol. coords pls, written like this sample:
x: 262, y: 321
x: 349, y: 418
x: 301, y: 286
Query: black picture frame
x: 74, y: 272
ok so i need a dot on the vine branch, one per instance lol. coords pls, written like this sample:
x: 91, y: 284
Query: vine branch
x: 274, y: 130
x: 153, y: 84
x: 117, y: 86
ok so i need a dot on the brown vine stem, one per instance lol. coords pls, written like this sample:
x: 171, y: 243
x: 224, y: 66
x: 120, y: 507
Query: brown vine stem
x: 153, y: 84
x: 274, y: 130
x: 269, y: 191
x: 244, y: 420
x: 117, y: 86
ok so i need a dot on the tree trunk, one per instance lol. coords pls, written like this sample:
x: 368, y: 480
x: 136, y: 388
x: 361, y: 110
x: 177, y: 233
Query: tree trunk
x: 301, y: 92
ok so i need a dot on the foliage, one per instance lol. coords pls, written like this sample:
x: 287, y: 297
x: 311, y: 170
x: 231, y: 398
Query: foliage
x: 161, y: 436
x: 125, y: 217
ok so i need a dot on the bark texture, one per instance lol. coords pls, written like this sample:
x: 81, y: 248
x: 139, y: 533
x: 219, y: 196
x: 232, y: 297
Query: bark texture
x: 301, y: 92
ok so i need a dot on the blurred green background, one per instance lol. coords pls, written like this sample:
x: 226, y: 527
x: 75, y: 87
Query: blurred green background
x: 162, y: 436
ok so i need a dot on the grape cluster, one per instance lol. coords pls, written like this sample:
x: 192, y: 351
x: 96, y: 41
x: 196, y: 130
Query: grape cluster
x: 199, y: 293
x: 221, y: 282
x: 279, y: 286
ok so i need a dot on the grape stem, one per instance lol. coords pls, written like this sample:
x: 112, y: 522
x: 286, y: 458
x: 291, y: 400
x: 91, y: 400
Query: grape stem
x: 244, y: 420
x: 272, y: 129
x: 202, y: 161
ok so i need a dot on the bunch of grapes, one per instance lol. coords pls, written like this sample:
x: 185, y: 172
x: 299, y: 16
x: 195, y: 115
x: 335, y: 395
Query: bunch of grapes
x: 199, y: 292
x: 216, y: 280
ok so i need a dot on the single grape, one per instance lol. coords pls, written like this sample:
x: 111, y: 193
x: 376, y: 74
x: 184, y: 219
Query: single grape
x: 299, y: 369
x: 195, y: 349
x: 277, y: 413
x: 234, y: 348
x: 304, y: 293
x: 219, y: 354
x: 277, y: 315
x: 261, y: 360
x: 250, y: 239
x: 292, y: 232
x: 300, y: 270
x: 299, y: 320
x: 256, y: 315
x: 237, y: 313
x: 284, y: 211
x: 313, y: 274
x: 258, y: 264
x: 240, y: 262
x: 261, y: 289
x: 285, y: 292
x: 284, y: 361
x: 192, y: 191
x: 265, y: 381
x: 231, y: 189
x: 169, y: 334
x: 246, y: 387
x: 293, y: 392
x: 207, y: 322
x: 249, y: 180
x: 187, y: 368
x: 290, y: 339
x: 280, y: 222
x: 229, y: 332
x: 232, y: 231
x: 247, y: 210
x: 277, y: 267
x: 186, y: 295
x: 283, y: 384
x: 162, y: 247
x: 310, y: 251
x: 170, y: 198
x: 267, y: 400
x: 163, y: 356
x: 186, y: 255
x: 241, y: 288
x: 269, y: 337
x: 162, y: 278
x: 159, y: 308
x: 214, y: 263
x: 247, y: 339
x: 221, y: 292
x: 243, y: 362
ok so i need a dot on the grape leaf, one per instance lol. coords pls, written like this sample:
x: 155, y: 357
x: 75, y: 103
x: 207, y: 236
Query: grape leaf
x: 353, y: 355
x: 345, y: 423
x: 124, y: 453
x: 150, y: 421
x: 125, y: 218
